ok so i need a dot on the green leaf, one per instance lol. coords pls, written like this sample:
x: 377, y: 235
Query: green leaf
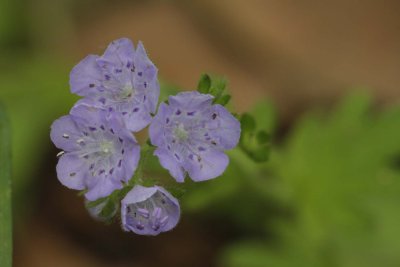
x: 247, y: 122
x: 5, y: 193
x: 263, y: 137
x: 204, y: 84
x: 223, y: 100
x: 217, y: 88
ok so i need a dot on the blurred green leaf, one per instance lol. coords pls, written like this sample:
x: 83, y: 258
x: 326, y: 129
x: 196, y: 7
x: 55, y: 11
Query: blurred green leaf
x: 5, y: 192
x: 335, y: 175
x: 247, y: 123
x: 263, y: 137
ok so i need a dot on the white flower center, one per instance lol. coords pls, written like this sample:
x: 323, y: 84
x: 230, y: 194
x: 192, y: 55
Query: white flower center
x: 181, y: 133
x: 126, y: 92
x: 106, y: 148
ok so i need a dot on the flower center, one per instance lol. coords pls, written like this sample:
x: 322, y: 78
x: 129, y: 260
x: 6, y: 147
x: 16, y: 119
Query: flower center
x: 126, y: 92
x: 106, y: 148
x: 180, y: 133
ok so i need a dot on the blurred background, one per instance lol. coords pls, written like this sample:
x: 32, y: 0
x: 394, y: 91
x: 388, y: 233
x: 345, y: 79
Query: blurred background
x: 327, y: 71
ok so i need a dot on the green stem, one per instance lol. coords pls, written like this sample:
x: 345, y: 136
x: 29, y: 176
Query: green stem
x: 5, y: 193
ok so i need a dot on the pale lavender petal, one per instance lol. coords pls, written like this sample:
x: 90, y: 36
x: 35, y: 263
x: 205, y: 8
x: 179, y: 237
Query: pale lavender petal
x: 207, y: 165
x: 225, y: 127
x: 192, y: 100
x: 64, y: 133
x: 103, y: 188
x: 118, y: 52
x: 131, y: 156
x: 71, y: 172
x: 171, y: 164
x: 138, y: 118
x: 156, y: 129
x: 86, y: 77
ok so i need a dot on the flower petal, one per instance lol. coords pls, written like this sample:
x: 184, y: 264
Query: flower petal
x: 169, y: 163
x: 211, y: 165
x: 138, y: 118
x: 86, y: 77
x: 104, y: 187
x: 156, y: 129
x: 192, y: 100
x: 226, y: 128
x: 71, y: 171
x: 64, y: 133
x: 131, y: 159
x: 119, y: 52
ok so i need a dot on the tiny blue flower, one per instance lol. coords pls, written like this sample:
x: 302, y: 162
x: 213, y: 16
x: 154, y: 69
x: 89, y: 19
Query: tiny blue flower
x: 191, y: 135
x: 123, y: 80
x: 149, y: 210
x: 99, y: 153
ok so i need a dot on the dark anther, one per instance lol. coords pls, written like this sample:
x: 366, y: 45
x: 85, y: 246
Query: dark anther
x: 91, y: 85
x: 214, y: 116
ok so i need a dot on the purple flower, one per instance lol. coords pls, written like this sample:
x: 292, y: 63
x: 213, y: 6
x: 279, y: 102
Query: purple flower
x: 99, y: 154
x: 191, y: 135
x: 149, y: 210
x: 122, y: 79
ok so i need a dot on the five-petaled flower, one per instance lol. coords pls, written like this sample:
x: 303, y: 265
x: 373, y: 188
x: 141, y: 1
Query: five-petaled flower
x: 149, y: 210
x: 191, y: 135
x: 99, y: 153
x: 122, y: 79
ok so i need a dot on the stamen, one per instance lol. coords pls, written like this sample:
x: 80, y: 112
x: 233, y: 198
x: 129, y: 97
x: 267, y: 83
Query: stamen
x: 143, y: 212
x: 59, y: 154
x: 66, y: 136
x: 156, y: 213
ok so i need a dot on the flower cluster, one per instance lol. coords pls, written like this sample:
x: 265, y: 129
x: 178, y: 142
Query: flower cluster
x: 100, y: 154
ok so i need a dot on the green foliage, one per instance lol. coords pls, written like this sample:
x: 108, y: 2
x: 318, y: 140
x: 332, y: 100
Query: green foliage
x: 255, y: 143
x: 35, y: 94
x: 214, y: 87
x: 5, y: 192
x: 338, y: 181
x: 204, y: 84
